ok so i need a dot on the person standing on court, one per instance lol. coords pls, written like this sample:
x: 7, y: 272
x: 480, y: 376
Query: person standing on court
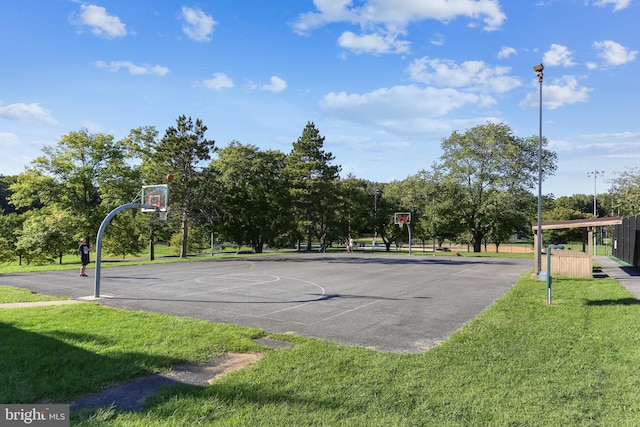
x: 84, y: 250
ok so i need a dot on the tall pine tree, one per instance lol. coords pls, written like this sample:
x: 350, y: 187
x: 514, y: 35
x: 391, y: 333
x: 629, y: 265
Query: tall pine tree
x: 181, y: 152
x: 313, y: 183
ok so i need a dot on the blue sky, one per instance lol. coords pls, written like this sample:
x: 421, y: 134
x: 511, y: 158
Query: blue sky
x: 383, y: 80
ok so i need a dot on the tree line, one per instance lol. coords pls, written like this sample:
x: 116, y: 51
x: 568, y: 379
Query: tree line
x: 477, y: 192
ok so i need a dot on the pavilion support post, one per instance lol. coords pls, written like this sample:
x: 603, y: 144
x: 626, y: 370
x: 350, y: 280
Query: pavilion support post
x: 536, y: 255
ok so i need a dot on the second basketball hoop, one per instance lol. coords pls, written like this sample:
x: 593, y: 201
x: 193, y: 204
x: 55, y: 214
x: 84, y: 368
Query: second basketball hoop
x: 402, y: 218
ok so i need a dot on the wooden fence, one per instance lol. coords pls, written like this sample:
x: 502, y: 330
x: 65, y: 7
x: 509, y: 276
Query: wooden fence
x: 568, y: 263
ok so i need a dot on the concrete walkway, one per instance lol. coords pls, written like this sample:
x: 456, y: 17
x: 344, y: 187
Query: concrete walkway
x: 38, y: 303
x: 629, y: 277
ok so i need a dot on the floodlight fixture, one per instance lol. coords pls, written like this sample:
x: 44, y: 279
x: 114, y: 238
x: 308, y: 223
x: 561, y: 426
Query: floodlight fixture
x: 538, y: 69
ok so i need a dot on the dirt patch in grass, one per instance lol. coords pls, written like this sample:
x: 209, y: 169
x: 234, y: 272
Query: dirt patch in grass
x: 206, y: 373
x: 133, y: 395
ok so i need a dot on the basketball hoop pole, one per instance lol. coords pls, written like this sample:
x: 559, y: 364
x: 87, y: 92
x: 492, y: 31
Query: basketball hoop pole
x: 103, y: 226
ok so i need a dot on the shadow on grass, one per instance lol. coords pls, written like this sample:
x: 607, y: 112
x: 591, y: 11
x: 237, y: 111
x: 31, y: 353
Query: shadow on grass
x: 236, y: 394
x: 621, y: 301
x: 45, y: 367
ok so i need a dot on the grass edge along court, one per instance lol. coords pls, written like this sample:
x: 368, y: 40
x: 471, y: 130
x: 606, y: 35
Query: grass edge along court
x: 520, y: 362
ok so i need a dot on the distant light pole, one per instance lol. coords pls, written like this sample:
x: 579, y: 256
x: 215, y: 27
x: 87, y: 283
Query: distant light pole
x: 434, y: 223
x: 538, y: 69
x: 595, y: 174
x: 376, y: 193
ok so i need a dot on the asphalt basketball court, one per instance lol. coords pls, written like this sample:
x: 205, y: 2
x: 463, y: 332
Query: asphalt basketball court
x: 388, y: 302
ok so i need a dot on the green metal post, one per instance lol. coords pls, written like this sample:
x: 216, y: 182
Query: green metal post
x: 549, y: 275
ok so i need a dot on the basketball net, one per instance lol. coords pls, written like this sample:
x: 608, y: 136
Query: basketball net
x: 163, y: 215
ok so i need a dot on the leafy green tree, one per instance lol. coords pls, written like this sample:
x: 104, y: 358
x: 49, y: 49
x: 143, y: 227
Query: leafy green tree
x: 448, y: 225
x: 5, y: 193
x: 10, y: 221
x: 123, y: 236
x: 625, y: 189
x: 181, y: 152
x: 47, y: 234
x: 581, y: 203
x: 83, y: 176
x: 506, y: 216
x: 208, y: 206
x: 413, y: 196
x: 71, y: 174
x: 389, y: 204
x: 565, y: 235
x: 196, y: 243
x: 440, y: 195
x: 142, y: 143
x: 10, y: 224
x: 312, y: 181
x: 33, y: 189
x: 350, y: 216
x: 254, y: 193
x: 489, y: 158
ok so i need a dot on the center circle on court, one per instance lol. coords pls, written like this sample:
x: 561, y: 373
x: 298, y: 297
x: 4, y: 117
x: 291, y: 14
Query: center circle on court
x: 261, y: 288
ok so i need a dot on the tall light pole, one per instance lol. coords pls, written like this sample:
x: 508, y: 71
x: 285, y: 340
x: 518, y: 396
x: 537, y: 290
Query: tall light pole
x: 434, y: 223
x: 376, y: 193
x: 595, y: 174
x: 538, y: 69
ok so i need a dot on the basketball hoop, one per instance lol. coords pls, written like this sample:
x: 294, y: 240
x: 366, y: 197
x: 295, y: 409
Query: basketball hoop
x: 163, y: 215
x: 154, y: 197
x: 402, y: 218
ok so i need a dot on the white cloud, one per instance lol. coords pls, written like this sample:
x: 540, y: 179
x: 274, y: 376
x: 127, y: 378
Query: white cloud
x: 383, y: 21
x: 614, y: 53
x: 27, y: 113
x: 398, y: 14
x: 406, y: 110
x: 506, y: 52
x: 617, y: 4
x: 219, y: 81
x: 437, y: 39
x: 136, y: 70
x: 562, y: 91
x: 328, y: 11
x: 623, y: 145
x: 276, y: 84
x: 376, y: 43
x: 613, y: 135
x: 398, y: 103
x: 475, y: 75
x: 199, y: 25
x: 558, y: 55
x: 102, y: 24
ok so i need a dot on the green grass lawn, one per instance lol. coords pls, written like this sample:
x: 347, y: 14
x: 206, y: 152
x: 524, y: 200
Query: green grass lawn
x: 9, y: 294
x: 521, y: 362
